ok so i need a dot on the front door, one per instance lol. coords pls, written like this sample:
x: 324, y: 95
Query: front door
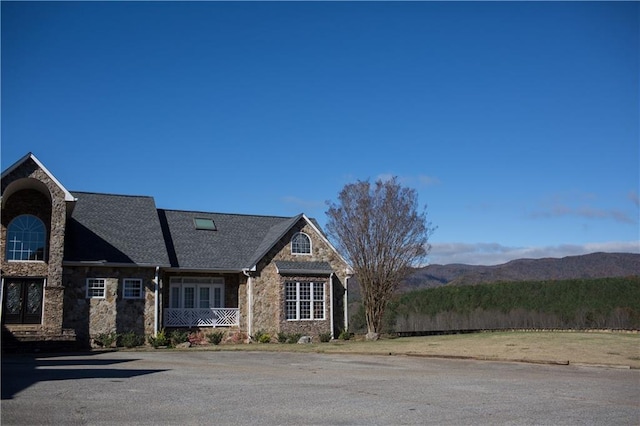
x: 23, y: 300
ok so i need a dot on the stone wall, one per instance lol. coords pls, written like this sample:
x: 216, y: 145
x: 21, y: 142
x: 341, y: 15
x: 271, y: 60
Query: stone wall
x: 114, y: 313
x: 46, y: 201
x: 269, y: 286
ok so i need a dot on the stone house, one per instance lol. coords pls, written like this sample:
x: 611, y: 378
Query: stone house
x: 78, y: 264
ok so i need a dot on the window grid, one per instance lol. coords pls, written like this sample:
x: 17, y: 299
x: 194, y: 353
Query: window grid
x: 196, y: 292
x: 26, y: 236
x: 304, y: 300
x: 96, y: 288
x: 132, y: 288
x: 300, y: 244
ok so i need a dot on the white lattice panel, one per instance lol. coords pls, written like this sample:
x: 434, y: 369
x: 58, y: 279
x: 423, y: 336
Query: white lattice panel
x: 214, y: 317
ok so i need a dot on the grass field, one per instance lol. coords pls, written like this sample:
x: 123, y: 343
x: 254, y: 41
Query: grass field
x: 602, y: 348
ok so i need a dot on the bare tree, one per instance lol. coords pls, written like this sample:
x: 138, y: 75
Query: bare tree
x: 383, y: 235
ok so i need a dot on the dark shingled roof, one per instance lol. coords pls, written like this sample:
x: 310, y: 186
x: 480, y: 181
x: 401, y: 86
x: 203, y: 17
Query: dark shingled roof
x: 238, y: 242
x: 289, y: 267
x: 124, y: 229
x: 115, y: 229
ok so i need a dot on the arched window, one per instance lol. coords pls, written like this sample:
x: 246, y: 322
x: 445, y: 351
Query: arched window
x: 26, y: 238
x: 300, y: 244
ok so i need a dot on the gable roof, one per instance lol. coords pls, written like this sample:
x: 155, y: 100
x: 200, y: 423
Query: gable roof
x: 115, y: 229
x: 233, y: 246
x: 29, y: 156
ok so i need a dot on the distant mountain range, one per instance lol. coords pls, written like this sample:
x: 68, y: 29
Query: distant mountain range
x: 595, y: 265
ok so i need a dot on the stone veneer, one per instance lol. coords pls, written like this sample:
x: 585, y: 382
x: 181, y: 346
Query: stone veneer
x: 269, y: 286
x: 92, y: 316
x: 47, y: 202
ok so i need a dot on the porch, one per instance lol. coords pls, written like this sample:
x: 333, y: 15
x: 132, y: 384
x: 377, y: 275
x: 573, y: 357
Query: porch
x: 201, y: 317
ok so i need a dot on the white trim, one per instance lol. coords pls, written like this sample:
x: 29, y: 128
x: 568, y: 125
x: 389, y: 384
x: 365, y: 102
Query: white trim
x: 137, y: 281
x: 311, y: 300
x: 67, y: 194
x: 104, y: 288
x: 13, y: 251
x: 156, y: 301
x: 1, y: 295
x: 321, y: 235
x: 331, y: 303
x: 310, y: 244
x: 345, y: 303
x: 249, y: 301
x: 197, y: 283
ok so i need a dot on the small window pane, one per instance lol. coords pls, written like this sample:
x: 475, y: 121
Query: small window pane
x: 175, y: 297
x: 96, y: 288
x: 217, y: 297
x: 132, y: 288
x: 205, y: 301
x: 189, y: 297
x: 300, y: 244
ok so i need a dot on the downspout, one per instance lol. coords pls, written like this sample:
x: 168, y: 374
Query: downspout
x: 331, y: 305
x: 245, y: 271
x: 345, y: 303
x: 156, y: 290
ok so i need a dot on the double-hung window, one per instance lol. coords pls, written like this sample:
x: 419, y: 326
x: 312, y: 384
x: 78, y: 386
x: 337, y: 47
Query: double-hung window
x: 96, y: 288
x: 132, y: 288
x: 304, y: 300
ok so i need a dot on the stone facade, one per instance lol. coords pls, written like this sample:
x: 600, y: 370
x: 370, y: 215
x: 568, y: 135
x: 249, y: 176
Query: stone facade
x: 67, y: 311
x: 39, y: 195
x: 269, y: 287
x: 113, y: 313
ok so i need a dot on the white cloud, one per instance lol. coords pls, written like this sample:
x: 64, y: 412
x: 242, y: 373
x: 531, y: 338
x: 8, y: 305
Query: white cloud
x: 496, y: 254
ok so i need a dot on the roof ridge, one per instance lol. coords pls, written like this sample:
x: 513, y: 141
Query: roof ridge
x: 227, y: 214
x: 112, y: 194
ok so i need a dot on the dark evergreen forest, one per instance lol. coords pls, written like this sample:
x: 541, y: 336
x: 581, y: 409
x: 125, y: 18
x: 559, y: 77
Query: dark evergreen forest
x: 603, y: 303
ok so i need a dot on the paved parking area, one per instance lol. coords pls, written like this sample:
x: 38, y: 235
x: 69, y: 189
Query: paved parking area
x: 205, y: 387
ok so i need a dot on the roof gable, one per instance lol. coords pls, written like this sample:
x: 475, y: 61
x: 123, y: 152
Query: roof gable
x: 30, y: 157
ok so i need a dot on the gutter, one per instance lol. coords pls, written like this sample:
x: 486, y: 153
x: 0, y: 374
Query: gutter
x: 346, y: 302
x: 246, y: 271
x: 331, y: 304
x: 156, y: 301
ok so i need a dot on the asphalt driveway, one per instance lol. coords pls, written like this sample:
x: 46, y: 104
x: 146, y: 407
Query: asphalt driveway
x: 206, y: 387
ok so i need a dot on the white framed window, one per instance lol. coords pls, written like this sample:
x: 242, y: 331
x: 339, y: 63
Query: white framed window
x: 96, y: 288
x: 304, y: 300
x: 132, y: 288
x: 196, y: 292
x: 26, y: 238
x: 300, y: 244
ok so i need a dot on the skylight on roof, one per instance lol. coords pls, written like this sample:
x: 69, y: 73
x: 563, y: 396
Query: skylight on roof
x: 204, y: 223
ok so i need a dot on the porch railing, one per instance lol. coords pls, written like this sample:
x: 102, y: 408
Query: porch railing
x: 202, y: 317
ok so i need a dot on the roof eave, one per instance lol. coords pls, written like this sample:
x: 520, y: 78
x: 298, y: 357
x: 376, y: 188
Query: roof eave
x: 113, y: 264
x: 67, y: 195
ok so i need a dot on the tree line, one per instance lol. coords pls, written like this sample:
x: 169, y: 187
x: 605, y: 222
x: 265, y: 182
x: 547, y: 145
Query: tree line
x: 568, y: 304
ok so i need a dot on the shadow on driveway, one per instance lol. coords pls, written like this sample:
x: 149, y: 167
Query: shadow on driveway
x: 22, y: 371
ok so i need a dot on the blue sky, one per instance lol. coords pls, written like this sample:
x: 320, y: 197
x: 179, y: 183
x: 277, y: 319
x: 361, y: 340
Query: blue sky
x: 517, y: 123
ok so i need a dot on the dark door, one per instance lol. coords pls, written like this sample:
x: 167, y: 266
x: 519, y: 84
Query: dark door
x: 23, y: 300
